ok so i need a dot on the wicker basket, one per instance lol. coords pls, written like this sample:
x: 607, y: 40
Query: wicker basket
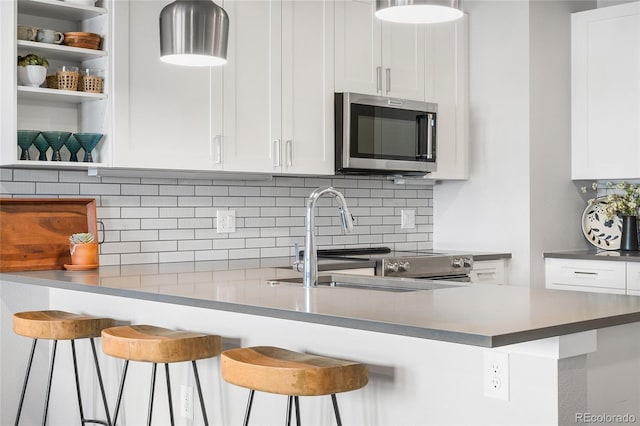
x: 52, y: 81
x: 91, y: 83
x: 68, y: 80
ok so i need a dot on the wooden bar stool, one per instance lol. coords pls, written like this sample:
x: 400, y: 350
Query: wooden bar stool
x: 280, y: 371
x: 58, y: 325
x: 147, y: 343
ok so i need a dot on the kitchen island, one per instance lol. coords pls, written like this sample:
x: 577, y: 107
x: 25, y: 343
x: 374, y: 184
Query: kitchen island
x: 427, y: 350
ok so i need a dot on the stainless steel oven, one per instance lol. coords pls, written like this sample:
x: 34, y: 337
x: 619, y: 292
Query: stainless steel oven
x: 382, y: 135
x: 409, y: 264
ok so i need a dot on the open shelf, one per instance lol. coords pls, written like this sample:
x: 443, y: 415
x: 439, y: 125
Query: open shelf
x: 66, y: 96
x: 59, y: 9
x: 55, y: 51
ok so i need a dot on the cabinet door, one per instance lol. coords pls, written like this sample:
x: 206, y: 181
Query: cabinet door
x: 489, y: 272
x: 8, y: 147
x: 597, y: 276
x: 606, y: 92
x: 307, y: 87
x: 447, y: 84
x: 358, y: 50
x: 403, y: 50
x: 167, y: 116
x: 633, y: 278
x: 252, y: 99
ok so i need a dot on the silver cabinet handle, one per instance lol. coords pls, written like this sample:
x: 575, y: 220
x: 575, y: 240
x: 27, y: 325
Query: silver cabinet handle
x: 379, y: 79
x: 217, y: 142
x: 276, y: 153
x: 289, y: 149
x: 585, y: 273
x: 388, y: 80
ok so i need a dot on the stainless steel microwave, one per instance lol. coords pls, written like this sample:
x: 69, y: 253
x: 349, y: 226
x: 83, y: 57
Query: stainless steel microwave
x: 382, y: 135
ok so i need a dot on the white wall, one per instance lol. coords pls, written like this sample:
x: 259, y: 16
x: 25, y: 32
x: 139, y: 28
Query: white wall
x: 519, y: 197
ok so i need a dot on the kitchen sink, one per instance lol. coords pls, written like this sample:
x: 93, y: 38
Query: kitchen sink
x: 397, y: 285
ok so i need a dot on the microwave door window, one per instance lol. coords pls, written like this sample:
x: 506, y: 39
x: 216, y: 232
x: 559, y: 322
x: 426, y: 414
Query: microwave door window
x: 399, y: 135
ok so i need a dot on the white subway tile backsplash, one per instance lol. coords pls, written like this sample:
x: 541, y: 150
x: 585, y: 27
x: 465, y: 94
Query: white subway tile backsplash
x: 177, y: 234
x: 158, y: 201
x: 153, y: 246
x: 139, y: 235
x: 177, y: 190
x: 10, y: 188
x: 29, y: 175
x: 151, y: 220
x: 139, y: 189
x: 50, y: 188
x: 165, y: 223
x: 200, y: 222
x: 138, y: 212
x: 99, y: 189
x: 167, y: 212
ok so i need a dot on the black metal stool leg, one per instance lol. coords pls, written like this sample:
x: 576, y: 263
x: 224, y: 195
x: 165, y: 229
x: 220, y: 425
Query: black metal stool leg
x: 75, y: 371
x: 104, y: 396
x: 119, y: 400
x: 46, y: 401
x: 26, y: 379
x: 335, y: 409
x: 166, y: 372
x: 288, y: 419
x: 204, y: 411
x: 296, y: 400
x: 248, y: 411
x: 151, y: 393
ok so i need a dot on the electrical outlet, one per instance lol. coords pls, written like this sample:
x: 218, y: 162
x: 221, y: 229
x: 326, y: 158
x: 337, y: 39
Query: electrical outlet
x: 186, y: 402
x: 225, y: 221
x: 407, y: 219
x: 496, y: 375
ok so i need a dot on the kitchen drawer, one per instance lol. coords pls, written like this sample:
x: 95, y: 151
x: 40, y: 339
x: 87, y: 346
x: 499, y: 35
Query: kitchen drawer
x: 586, y: 275
x: 489, y: 272
x: 633, y: 278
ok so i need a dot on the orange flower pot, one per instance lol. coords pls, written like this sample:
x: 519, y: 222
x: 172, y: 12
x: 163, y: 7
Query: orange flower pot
x: 84, y: 254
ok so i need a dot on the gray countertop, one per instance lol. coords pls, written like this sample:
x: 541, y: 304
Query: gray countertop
x: 480, y: 315
x: 611, y: 255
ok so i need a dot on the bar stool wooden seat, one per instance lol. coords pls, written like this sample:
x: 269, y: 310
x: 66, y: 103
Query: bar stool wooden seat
x: 59, y: 325
x: 158, y: 345
x: 280, y: 371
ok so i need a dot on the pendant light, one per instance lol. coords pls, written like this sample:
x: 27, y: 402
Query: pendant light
x: 194, y: 33
x: 418, y: 11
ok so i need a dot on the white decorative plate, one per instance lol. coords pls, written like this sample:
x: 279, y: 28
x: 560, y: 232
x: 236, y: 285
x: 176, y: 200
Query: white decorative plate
x: 600, y: 231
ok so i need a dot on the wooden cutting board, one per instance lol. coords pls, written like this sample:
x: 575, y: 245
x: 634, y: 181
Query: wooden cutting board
x: 34, y: 232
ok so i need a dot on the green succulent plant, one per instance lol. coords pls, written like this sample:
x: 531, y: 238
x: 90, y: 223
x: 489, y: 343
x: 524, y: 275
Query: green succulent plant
x: 82, y: 238
x: 32, y: 59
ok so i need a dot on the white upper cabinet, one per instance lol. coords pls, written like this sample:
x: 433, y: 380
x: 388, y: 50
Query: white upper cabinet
x: 375, y: 57
x: 307, y: 87
x: 167, y: 116
x: 252, y: 99
x: 447, y: 84
x: 278, y: 87
x: 606, y: 93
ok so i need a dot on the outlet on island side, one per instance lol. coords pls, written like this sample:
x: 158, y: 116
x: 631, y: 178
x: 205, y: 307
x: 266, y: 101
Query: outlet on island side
x: 186, y: 402
x: 496, y: 375
x: 225, y: 221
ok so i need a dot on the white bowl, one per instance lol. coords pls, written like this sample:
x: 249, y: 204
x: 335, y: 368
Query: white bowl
x: 32, y: 75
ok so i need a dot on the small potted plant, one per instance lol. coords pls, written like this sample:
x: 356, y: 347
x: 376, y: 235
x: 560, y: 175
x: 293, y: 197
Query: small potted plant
x: 32, y: 70
x: 84, y: 249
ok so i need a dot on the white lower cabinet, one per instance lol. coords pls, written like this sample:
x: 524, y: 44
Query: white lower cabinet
x: 596, y: 276
x: 633, y: 278
x: 489, y: 272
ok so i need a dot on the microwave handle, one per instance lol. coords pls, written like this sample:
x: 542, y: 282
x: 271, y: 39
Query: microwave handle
x: 431, y: 135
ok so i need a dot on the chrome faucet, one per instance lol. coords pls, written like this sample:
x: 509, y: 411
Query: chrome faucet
x: 310, y: 275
